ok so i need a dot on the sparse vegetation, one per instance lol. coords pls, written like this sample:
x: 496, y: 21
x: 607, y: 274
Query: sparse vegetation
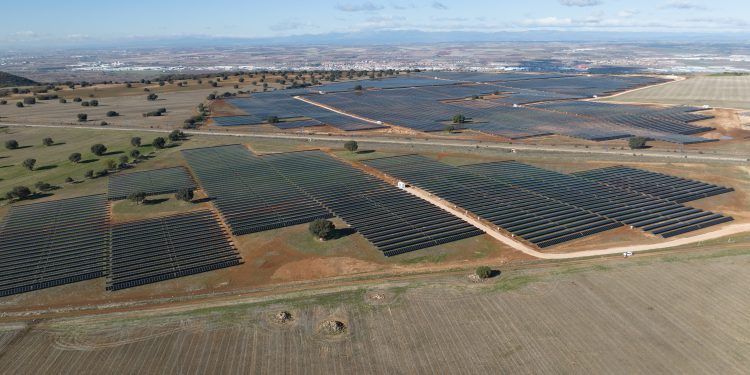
x: 321, y: 228
x: 98, y: 149
x: 637, y: 142
x: 184, y: 194
x: 351, y: 146
x: 137, y: 197
x: 29, y: 164
x: 11, y: 144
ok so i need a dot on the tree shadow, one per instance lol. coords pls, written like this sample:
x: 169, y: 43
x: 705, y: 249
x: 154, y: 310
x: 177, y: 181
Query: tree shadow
x: 46, y: 167
x: 87, y: 161
x: 365, y: 151
x: 155, y: 201
x: 202, y: 200
x: 494, y: 273
x: 112, y: 153
x: 6, y: 166
x: 58, y: 144
x: 20, y: 147
x: 341, y: 233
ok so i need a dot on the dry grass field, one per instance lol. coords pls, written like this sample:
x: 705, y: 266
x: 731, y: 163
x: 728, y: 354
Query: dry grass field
x: 684, y: 314
x: 715, y: 91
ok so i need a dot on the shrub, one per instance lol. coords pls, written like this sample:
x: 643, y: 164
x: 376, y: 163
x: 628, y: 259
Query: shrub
x: 138, y: 197
x: 43, y: 186
x: 75, y: 157
x: 98, y: 149
x: 637, y: 142
x: 351, y: 146
x: 124, y: 159
x: 110, y: 164
x: 321, y: 228
x: 82, y: 117
x: 69, y: 180
x: 135, y: 154
x: 18, y: 192
x: 29, y: 164
x: 3, y: 102
x: 184, y: 194
x: 103, y: 123
x: 102, y: 173
x: 272, y: 119
x: 19, y: 105
x: 85, y: 104
x: 48, y: 141
x: 89, y: 174
x: 63, y: 101
x: 211, y: 96
x: 77, y: 99
x: 483, y: 272
x: 152, y: 97
x: 94, y: 103
x: 459, y: 119
x: 450, y: 128
x: 112, y: 114
x: 135, y: 141
x: 11, y: 144
x: 159, y: 143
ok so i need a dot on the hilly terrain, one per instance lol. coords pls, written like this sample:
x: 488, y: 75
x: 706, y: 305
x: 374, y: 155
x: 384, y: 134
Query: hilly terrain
x: 7, y: 79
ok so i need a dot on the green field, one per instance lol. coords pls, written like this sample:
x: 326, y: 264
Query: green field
x: 725, y: 91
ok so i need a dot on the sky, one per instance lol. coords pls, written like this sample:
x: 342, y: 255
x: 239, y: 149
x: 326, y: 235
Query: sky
x: 46, y: 22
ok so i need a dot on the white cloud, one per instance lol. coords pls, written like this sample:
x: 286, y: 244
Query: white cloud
x: 439, y: 5
x: 580, y: 3
x: 682, y: 4
x: 367, y: 6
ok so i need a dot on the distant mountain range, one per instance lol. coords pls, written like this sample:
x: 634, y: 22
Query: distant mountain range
x: 391, y: 37
x: 7, y: 79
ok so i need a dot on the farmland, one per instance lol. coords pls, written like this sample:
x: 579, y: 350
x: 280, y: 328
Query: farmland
x: 725, y: 91
x: 650, y: 315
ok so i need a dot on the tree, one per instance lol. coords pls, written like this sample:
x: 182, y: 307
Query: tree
x: 63, y: 100
x: 124, y: 159
x: 75, y: 157
x: 176, y: 135
x: 18, y: 192
x: 43, y: 186
x: 29, y: 164
x: 94, y: 103
x: 138, y: 197
x: 69, y: 180
x: 135, y: 154
x: 135, y: 141
x: 19, y: 104
x: 77, y: 99
x: 98, y: 149
x: 82, y: 117
x: 459, y: 119
x: 89, y: 174
x: 152, y: 97
x: 110, y: 164
x: 272, y: 119
x: 184, y: 194
x: 483, y: 272
x: 112, y: 114
x: 637, y: 142
x: 11, y: 144
x: 159, y: 143
x: 321, y: 228
x: 351, y: 146
x: 450, y: 128
x: 358, y: 88
x: 48, y: 141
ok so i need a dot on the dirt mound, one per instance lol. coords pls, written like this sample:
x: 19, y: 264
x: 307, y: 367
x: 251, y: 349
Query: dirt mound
x: 282, y: 317
x: 332, y: 327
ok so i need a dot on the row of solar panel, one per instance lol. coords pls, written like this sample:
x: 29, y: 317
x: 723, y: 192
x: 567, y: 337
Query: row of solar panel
x: 152, y: 182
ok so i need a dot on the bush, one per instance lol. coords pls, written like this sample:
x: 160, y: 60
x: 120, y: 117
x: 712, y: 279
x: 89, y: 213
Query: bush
x: 75, y: 157
x: 103, y: 123
x: 98, y: 149
x: 110, y: 164
x: 11, y: 144
x: 135, y: 141
x: 176, y: 135
x: 18, y: 192
x: 89, y: 174
x: 48, y: 141
x: 69, y: 180
x: 124, y: 159
x: 3, y: 102
x: 77, y: 99
x: 483, y: 272
x: 351, y: 146
x: 184, y: 194
x: 637, y: 142
x: 272, y: 119
x: 43, y: 186
x: 459, y: 119
x: 211, y: 96
x: 85, y: 104
x: 63, y: 101
x: 94, y: 103
x: 321, y: 228
x: 82, y: 117
x: 29, y: 164
x: 102, y: 173
x: 112, y: 114
x: 135, y: 154
x: 159, y: 143
x: 450, y: 129
x: 30, y: 100
x: 152, y: 97
x: 138, y: 197
x: 19, y: 105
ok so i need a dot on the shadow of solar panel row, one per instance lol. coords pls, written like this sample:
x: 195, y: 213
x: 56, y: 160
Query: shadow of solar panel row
x: 655, y: 184
x: 165, y: 248
x: 250, y: 197
x: 297, y: 124
x: 658, y: 216
x: 393, y: 220
x: 153, y: 182
x: 384, y: 83
x: 535, y: 218
x: 53, y: 243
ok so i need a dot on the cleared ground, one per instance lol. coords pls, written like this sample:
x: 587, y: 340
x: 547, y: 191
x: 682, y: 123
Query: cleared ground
x: 685, y: 314
x: 715, y: 91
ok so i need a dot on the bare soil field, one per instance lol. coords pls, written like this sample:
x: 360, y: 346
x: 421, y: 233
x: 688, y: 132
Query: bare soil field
x: 679, y: 315
x: 715, y: 91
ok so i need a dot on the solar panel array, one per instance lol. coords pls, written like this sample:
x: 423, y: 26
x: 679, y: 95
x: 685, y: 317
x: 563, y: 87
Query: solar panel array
x: 164, y: 248
x: 53, y: 243
x: 238, y: 120
x: 655, y: 184
x: 250, y: 196
x: 393, y: 220
x: 153, y: 182
x: 535, y: 218
x: 658, y: 216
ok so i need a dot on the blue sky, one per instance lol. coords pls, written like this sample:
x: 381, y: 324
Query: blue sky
x: 70, y: 21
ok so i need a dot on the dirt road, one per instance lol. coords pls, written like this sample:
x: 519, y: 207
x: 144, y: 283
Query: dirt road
x: 722, y: 232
